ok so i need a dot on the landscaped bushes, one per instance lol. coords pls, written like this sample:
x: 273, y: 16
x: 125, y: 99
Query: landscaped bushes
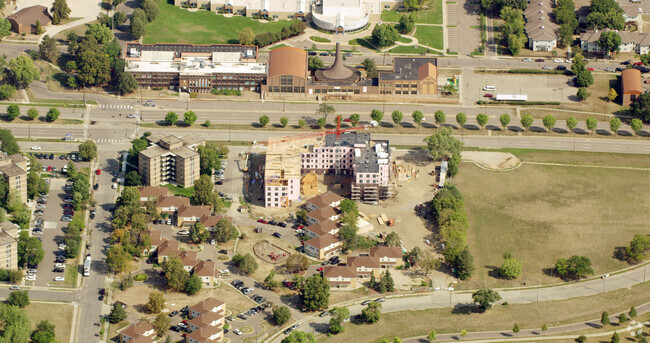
x: 13, y: 276
x: 236, y: 92
x: 267, y: 38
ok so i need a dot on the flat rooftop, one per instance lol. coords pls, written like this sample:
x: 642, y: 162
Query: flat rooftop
x: 347, y: 139
x: 196, y: 66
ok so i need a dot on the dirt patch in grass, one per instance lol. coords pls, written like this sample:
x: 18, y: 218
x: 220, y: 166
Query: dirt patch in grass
x: 553, y: 313
x: 58, y: 314
x: 540, y: 213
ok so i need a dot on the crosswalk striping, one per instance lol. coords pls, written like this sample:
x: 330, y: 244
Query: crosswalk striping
x: 117, y: 107
x: 111, y: 140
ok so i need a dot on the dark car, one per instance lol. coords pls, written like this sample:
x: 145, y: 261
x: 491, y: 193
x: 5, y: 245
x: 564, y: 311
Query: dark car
x: 324, y: 54
x: 277, y: 234
x: 101, y: 297
x: 92, y: 216
x: 539, y: 60
x: 58, y: 270
x: 96, y: 186
x: 273, y: 222
x: 560, y: 67
x: 174, y: 313
x: 51, y: 156
x: 625, y: 63
x: 312, y: 53
x: 619, y: 69
x: 282, y: 224
x: 102, y: 291
x: 175, y: 328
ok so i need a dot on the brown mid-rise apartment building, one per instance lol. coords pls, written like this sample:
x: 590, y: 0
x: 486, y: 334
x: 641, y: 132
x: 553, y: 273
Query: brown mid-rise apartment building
x: 170, y: 159
x: 14, y: 169
x: 8, y: 245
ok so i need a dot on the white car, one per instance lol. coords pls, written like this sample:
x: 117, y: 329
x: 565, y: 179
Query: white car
x: 30, y: 278
x: 238, y: 332
x: 59, y: 265
x: 59, y: 279
x: 224, y: 272
x: 526, y: 59
x: 134, y: 115
x: 114, y: 186
x: 36, y: 147
x: 183, y: 233
x: 570, y: 60
x: 558, y: 60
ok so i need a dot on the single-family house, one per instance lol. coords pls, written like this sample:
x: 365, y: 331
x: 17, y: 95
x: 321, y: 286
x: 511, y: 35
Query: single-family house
x: 364, y: 266
x: 207, y: 305
x: 171, y: 204
x: 340, y: 276
x: 631, y: 86
x: 323, y: 214
x: 323, y: 247
x: 140, y: 332
x: 388, y: 257
x: 25, y: 20
x: 150, y: 192
x: 189, y: 259
x: 188, y: 215
x: 324, y: 200
x: 322, y: 228
x: 167, y: 249
x: 205, y: 271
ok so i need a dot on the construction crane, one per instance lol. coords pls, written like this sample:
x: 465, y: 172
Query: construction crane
x: 338, y: 132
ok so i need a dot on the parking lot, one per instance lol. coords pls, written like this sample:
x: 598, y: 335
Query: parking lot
x: 538, y: 87
x: 47, y: 217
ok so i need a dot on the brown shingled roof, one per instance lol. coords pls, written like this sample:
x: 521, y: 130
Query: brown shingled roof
x: 29, y: 16
x: 321, y: 242
x: 172, y: 201
x: 194, y: 211
x: 363, y: 261
x: 323, y: 213
x: 381, y: 251
x: 210, y: 221
x: 207, y: 305
x: 168, y: 248
x: 631, y: 81
x: 137, y: 330
x: 336, y: 271
x: 152, y: 192
x: 189, y: 257
x: 322, y: 228
x: 155, y: 237
x: 325, y: 199
x: 205, y: 268
x: 203, y: 334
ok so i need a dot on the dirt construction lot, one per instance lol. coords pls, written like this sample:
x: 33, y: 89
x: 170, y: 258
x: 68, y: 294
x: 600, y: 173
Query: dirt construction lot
x: 539, y: 213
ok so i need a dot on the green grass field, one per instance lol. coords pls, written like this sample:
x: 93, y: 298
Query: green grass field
x: 430, y: 36
x: 319, y: 39
x: 540, y: 213
x: 177, y: 25
x: 430, y: 16
x: 364, y: 42
x: 57, y: 313
x: 175, y: 190
x: 404, y: 39
x: 412, y: 49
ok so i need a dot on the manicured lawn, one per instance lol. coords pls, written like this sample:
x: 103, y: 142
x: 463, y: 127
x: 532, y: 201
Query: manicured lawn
x: 364, y: 42
x: 58, y: 314
x: 411, y: 49
x: 430, y: 16
x: 319, y: 39
x: 430, y: 36
x: 540, y: 213
x: 444, y: 320
x: 278, y: 46
x: 177, y: 25
x: 175, y: 190
x: 404, y: 39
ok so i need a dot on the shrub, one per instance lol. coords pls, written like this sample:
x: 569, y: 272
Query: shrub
x: 140, y: 277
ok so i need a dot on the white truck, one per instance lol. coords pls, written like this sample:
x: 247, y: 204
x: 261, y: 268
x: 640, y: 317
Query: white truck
x: 87, y: 263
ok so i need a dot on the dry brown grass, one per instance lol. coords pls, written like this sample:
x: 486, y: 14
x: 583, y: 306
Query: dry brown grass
x: 580, y: 157
x: 58, y: 314
x: 553, y: 313
x: 540, y: 213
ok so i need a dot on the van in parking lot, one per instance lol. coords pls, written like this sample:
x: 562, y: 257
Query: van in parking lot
x: 489, y: 88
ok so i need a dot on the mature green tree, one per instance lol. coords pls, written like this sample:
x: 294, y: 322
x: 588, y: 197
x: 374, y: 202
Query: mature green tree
x: 18, y: 298
x: 246, y: 36
x: 574, y: 267
x: 584, y: 79
x: 44, y: 332
x: 511, y: 268
x: 264, y: 120
x: 604, y: 318
x: 571, y: 123
x: 314, y: 293
x: 245, y: 263
x: 117, y: 258
x: 354, y: 119
x: 615, y: 338
x: 339, y: 315
x: 270, y: 282
x: 119, y: 17
x: 415, y: 5
x: 189, y: 118
x: 636, y: 125
x: 397, y: 117
x: 609, y: 42
x: 463, y: 263
x: 5, y: 27
x: 638, y: 247
x: 406, y: 23
x: 440, y: 118
x: 30, y: 250
x: 485, y: 297
x: 504, y: 120
x: 431, y: 336
x: 100, y: 32
x: 592, y: 124
x: 171, y: 118
x: 526, y: 121
x: 198, y: 233
x: 7, y: 91
x: 126, y: 83
x: 13, y: 111
x: 372, y: 313
x: 321, y: 122
x: 384, y: 35
x: 156, y: 302
x: 193, y: 284
x: 392, y: 239
x: 161, y: 324
x: 150, y: 8
x: 94, y: 67
x: 549, y: 122
x: 137, y: 27
x: 48, y: 50
x: 417, y: 117
x: 315, y: 63
x: 377, y: 115
x: 133, y: 178
x: 203, y: 191
x: 53, y: 114
x: 442, y: 145
x: 513, y: 30
x: 641, y: 107
x: 461, y: 119
x: 223, y: 231
x: 175, y: 275
x: 117, y: 314
x: 325, y: 110
x: 614, y: 125
x: 32, y: 113
x: 299, y: 337
x: 482, y: 119
x: 284, y: 121
x: 23, y: 71
x: 582, y: 93
x: 296, y: 263
x: 281, y: 315
x: 371, y: 68
x: 60, y: 11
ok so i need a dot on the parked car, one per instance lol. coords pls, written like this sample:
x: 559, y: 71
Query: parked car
x: 277, y: 234
x: 380, y: 300
x: 488, y: 95
x: 174, y: 313
x: 560, y: 67
x: 558, y: 60
x: 366, y: 302
x: 14, y: 288
x: 59, y: 279
x: 526, y: 59
x: 98, y: 172
x: 282, y: 224
x: 539, y: 60
x: 36, y: 147
x: 248, y: 290
x: 546, y: 67
x: 638, y: 63
x: 273, y: 222
x: 262, y: 221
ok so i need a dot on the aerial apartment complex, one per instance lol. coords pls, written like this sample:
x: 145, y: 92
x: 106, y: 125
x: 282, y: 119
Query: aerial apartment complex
x: 8, y: 245
x: 14, y: 169
x: 170, y: 159
x: 351, y: 154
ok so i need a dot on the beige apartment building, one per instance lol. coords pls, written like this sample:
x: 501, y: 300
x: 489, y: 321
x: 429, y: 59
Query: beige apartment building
x: 14, y: 169
x: 8, y: 245
x: 170, y: 159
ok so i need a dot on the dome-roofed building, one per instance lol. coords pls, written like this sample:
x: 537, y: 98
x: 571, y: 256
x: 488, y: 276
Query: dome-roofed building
x: 287, y: 72
x: 338, y: 71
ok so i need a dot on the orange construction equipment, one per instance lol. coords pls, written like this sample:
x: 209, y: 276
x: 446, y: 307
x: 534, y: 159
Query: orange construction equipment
x: 390, y: 222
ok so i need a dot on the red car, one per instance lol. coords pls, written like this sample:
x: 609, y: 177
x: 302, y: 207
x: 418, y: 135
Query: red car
x: 262, y: 221
x: 638, y: 63
x: 488, y: 95
x: 49, y: 168
x: 300, y: 227
x: 347, y: 120
x: 590, y: 68
x: 320, y: 269
x: 98, y: 172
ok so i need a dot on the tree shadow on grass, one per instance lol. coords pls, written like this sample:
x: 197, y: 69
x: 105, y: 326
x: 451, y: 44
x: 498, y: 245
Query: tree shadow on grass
x: 466, y: 309
x: 603, y: 132
x: 493, y: 127
x: 493, y: 271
